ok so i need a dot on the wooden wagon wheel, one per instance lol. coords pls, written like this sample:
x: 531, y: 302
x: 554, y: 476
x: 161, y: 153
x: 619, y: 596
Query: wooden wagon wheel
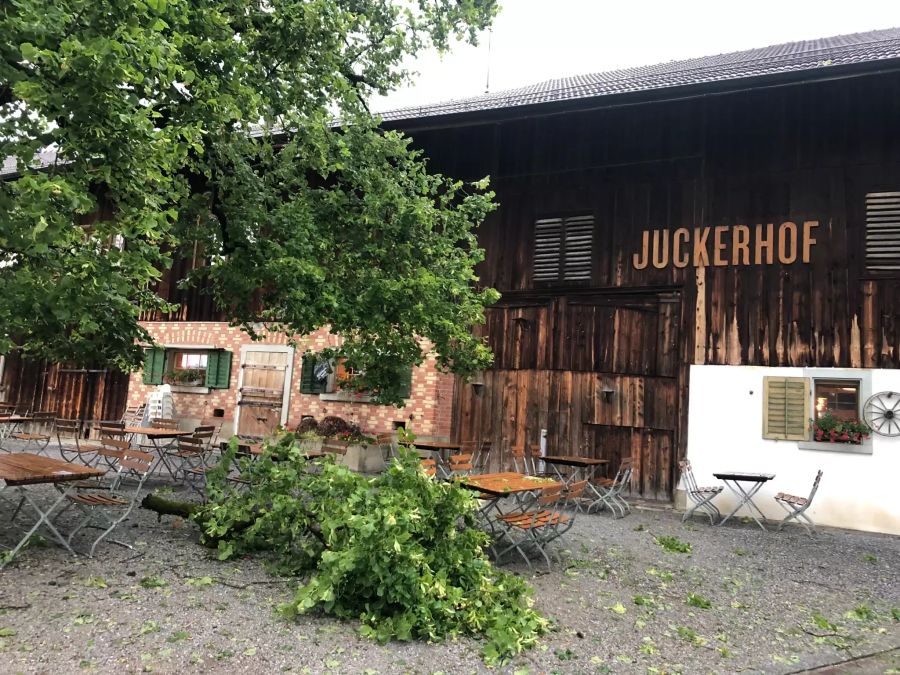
x: 882, y: 413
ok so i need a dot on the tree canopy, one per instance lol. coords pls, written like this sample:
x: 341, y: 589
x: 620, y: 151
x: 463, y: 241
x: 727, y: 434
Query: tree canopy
x: 241, y: 129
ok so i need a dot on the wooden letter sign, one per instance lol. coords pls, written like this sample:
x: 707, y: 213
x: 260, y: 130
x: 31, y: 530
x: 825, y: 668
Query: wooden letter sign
x: 725, y: 245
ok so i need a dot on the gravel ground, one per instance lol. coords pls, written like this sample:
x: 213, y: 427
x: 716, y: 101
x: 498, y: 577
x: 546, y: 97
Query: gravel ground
x: 778, y: 603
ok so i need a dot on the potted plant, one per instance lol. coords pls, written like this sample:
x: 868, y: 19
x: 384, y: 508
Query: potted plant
x: 185, y: 377
x: 830, y: 429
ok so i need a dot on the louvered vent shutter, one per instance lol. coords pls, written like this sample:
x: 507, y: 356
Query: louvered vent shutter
x: 883, y: 232
x: 786, y: 408
x: 579, y: 243
x: 547, y: 248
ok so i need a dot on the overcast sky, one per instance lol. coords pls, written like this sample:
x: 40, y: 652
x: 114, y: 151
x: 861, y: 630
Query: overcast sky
x: 535, y: 40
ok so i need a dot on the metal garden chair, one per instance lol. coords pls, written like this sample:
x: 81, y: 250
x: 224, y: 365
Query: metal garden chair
x: 98, y: 505
x: 72, y: 446
x: 537, y: 525
x: 460, y: 465
x: 39, y: 431
x: 701, y: 496
x: 609, y: 490
x: 796, y: 507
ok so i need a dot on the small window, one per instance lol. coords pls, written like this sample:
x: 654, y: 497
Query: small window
x: 840, y: 398
x: 189, y: 360
x: 563, y: 249
x: 883, y: 233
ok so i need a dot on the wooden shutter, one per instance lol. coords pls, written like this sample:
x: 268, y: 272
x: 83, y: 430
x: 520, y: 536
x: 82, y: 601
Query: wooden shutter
x: 563, y: 248
x: 308, y: 382
x: 578, y: 249
x: 218, y: 369
x: 154, y: 365
x: 883, y: 232
x: 786, y: 408
x: 547, y: 248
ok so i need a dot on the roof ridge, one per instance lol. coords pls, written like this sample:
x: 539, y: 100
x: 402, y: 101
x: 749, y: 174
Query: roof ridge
x: 721, y: 66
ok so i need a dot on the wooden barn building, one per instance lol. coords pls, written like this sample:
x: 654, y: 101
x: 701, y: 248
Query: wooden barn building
x: 696, y: 259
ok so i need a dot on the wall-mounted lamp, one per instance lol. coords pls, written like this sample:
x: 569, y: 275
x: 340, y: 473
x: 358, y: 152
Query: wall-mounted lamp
x: 607, y: 393
x: 477, y: 384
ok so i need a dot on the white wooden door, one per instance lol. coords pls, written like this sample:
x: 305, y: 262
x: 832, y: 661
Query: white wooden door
x: 264, y: 387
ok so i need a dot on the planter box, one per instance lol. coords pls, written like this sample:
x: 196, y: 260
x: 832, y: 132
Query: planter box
x: 364, y: 458
x: 311, y: 444
x: 864, y: 448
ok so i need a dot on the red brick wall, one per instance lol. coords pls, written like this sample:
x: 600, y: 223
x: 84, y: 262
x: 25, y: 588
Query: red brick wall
x: 427, y: 412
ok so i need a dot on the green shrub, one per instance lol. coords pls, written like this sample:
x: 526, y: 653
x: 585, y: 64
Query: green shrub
x: 398, y: 552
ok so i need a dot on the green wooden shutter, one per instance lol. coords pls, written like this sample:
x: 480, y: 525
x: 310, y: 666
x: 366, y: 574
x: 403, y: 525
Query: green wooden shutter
x: 154, y: 365
x: 218, y: 369
x: 786, y: 407
x: 308, y: 382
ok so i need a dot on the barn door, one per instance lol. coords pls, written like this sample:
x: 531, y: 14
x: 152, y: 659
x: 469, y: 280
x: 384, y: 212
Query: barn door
x: 263, y: 389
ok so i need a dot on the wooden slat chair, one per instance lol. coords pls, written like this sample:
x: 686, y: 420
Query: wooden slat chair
x: 701, y: 496
x: 94, y: 504
x: 796, y: 507
x: 429, y: 466
x: 187, y: 452
x: 609, y: 490
x: 7, y: 409
x: 538, y: 525
x: 72, y: 446
x: 460, y: 465
x: 39, y: 431
x: 134, y: 415
x: 574, y: 494
x: 206, y: 434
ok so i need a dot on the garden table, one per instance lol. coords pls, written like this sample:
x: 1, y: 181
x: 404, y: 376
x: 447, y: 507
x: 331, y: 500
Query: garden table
x: 20, y: 470
x: 584, y: 468
x: 9, y: 424
x: 733, y: 481
x: 154, y: 435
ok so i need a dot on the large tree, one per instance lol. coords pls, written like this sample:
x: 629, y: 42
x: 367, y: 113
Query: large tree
x: 238, y: 128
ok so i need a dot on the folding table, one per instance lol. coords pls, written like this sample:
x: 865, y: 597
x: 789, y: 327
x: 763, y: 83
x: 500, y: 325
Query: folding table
x: 155, y: 434
x: 733, y: 481
x: 495, y: 486
x: 22, y: 469
x: 584, y: 468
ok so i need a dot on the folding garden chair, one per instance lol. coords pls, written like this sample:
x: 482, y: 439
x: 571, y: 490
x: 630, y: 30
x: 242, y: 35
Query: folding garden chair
x: 39, y: 431
x: 72, y: 446
x: 188, y: 452
x: 701, y: 496
x: 796, y: 507
x: 134, y: 415
x: 536, y: 525
x: 205, y: 433
x: 100, y: 504
x: 481, y: 455
x: 609, y: 490
x: 429, y: 466
x: 459, y: 465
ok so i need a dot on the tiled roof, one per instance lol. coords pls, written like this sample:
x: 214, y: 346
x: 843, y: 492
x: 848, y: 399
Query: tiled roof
x: 791, y: 57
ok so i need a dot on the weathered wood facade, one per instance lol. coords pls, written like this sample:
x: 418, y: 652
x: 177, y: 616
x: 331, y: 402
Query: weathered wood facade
x: 801, y: 153
x: 73, y: 393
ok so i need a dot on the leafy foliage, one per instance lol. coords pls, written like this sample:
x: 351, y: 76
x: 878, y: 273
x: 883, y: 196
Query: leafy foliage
x: 831, y: 429
x: 399, y: 552
x: 206, y: 129
x: 673, y: 544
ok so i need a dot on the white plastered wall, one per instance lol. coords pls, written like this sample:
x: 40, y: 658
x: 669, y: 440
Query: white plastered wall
x: 858, y: 491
